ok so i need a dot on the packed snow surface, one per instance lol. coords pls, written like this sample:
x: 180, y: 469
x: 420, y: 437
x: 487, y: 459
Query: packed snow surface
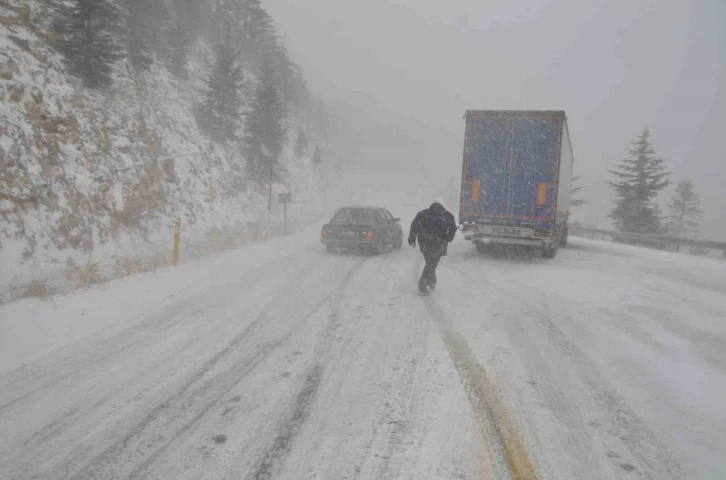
x: 279, y: 360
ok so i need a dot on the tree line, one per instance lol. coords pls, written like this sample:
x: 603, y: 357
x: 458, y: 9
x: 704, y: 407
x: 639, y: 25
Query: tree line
x: 94, y: 34
x: 638, y: 182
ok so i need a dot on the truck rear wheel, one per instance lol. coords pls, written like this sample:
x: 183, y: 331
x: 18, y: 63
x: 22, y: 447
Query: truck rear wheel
x: 563, y: 238
x: 481, y: 247
x: 551, y: 252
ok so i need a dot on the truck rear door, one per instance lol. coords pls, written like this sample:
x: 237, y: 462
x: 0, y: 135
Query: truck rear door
x: 510, y: 168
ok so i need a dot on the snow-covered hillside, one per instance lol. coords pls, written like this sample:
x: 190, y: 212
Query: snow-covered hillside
x: 93, y: 176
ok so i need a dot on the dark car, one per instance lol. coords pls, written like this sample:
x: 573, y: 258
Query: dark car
x: 372, y: 228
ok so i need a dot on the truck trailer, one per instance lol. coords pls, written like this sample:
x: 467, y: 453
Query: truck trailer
x: 516, y: 179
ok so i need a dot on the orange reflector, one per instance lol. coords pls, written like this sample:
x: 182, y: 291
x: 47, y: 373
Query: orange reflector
x: 542, y: 194
x: 475, y: 190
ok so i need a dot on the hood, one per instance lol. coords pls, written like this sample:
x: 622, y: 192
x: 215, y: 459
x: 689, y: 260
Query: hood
x: 436, y: 207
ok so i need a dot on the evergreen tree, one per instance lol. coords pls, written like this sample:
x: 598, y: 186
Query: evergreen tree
x: 639, y: 179
x: 290, y: 81
x: 178, y: 51
x: 301, y: 145
x: 252, y: 26
x: 684, y: 209
x: 181, y: 34
x: 265, y: 124
x: 85, y: 36
x: 576, y: 188
x: 145, y: 21
x: 219, y: 113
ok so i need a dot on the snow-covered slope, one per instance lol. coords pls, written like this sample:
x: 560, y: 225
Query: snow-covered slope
x: 89, y: 176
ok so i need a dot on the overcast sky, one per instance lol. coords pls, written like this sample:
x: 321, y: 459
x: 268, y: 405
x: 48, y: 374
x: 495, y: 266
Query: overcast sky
x: 613, y: 66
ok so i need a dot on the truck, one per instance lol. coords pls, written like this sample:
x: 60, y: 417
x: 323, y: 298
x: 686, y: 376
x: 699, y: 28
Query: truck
x: 516, y: 179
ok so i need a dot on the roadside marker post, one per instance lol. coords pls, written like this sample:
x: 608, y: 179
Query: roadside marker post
x: 177, y: 237
x: 285, y: 198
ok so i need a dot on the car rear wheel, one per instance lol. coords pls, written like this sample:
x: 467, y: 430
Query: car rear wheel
x: 378, y: 247
x: 398, y: 244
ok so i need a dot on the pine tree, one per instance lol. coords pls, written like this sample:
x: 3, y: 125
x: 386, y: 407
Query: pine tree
x: 252, y: 26
x: 145, y: 21
x: 576, y: 188
x: 183, y: 30
x: 290, y: 80
x: 254, y: 34
x: 265, y: 125
x: 85, y: 36
x: 219, y: 113
x: 301, y: 145
x: 178, y: 53
x: 684, y: 209
x: 639, y: 180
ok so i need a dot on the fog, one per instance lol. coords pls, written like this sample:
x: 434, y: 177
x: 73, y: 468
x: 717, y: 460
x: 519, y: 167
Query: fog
x: 404, y: 71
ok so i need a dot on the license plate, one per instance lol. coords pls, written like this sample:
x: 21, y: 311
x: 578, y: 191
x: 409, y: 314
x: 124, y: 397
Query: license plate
x: 506, y: 230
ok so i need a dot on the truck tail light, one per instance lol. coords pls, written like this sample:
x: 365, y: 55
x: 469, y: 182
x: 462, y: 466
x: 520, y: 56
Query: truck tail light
x: 542, y: 194
x: 475, y: 190
x: 543, y: 233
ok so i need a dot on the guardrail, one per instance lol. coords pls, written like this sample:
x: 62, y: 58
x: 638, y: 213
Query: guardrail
x: 658, y: 241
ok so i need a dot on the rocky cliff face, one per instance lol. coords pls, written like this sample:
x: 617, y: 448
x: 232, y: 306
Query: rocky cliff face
x: 88, y: 176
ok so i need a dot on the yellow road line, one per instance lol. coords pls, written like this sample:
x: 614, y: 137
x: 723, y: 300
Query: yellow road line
x: 500, y: 436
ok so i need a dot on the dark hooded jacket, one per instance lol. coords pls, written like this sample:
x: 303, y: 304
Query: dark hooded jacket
x: 434, y: 228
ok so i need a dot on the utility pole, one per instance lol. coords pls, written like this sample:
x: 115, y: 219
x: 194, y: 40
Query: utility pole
x: 269, y: 197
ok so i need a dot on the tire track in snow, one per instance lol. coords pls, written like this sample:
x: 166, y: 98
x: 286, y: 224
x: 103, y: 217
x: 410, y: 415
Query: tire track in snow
x: 107, y: 348
x: 380, y: 458
x: 509, y: 458
x: 62, y: 423
x: 130, y: 338
x: 273, y: 459
x: 627, y: 425
x: 148, y: 438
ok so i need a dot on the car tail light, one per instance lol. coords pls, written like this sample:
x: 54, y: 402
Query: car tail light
x: 323, y: 234
x: 370, y: 235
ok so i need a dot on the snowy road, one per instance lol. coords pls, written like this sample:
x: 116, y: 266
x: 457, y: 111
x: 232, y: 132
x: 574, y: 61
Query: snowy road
x: 279, y: 361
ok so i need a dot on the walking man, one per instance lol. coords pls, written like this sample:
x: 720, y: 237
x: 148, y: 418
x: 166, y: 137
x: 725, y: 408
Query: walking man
x: 435, y: 228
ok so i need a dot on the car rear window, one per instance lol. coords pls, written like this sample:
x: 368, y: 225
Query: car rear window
x: 352, y: 216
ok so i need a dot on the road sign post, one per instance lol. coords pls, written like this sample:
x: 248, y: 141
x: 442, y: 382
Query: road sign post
x: 285, y: 198
x: 273, y: 168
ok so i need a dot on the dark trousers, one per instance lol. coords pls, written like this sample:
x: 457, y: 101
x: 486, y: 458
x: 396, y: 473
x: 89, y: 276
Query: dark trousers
x: 428, y: 276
